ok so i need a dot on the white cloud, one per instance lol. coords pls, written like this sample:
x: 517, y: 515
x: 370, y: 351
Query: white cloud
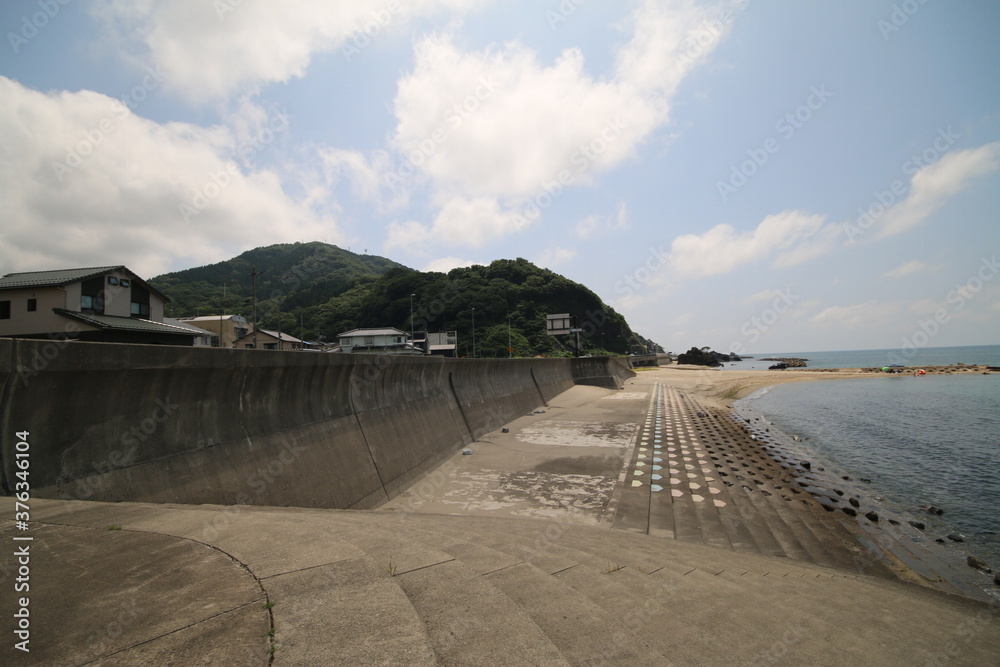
x: 473, y: 222
x: 722, y: 248
x: 858, y: 316
x: 410, y: 236
x: 551, y: 258
x: 101, y: 185
x: 931, y: 187
x: 589, y: 227
x: 763, y: 295
x: 212, y: 50
x: 446, y: 264
x: 594, y: 225
x: 497, y: 125
x: 905, y: 269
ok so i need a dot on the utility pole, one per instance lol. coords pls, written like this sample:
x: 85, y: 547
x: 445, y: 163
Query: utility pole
x: 253, y: 281
x: 473, y: 333
x: 223, y: 313
x: 411, y: 318
x: 510, y: 349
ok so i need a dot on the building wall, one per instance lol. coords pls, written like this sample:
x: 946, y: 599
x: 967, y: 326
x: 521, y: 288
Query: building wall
x: 117, y: 299
x: 43, y: 320
x: 227, y: 327
x: 382, y: 341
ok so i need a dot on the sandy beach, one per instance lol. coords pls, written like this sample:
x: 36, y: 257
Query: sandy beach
x: 721, y: 388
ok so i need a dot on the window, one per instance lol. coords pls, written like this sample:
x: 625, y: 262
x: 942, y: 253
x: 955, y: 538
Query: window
x: 369, y: 340
x: 112, y: 280
x: 32, y: 305
x: 346, y: 342
x: 92, y: 295
x: 270, y: 346
x: 399, y: 339
x: 140, y: 301
x: 126, y: 283
x: 4, y: 310
x: 249, y: 346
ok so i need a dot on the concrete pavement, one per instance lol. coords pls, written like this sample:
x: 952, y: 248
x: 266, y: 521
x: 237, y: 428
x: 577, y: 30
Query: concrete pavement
x: 503, y: 557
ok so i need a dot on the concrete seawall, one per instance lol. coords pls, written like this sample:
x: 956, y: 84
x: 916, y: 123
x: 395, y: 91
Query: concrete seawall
x: 117, y: 422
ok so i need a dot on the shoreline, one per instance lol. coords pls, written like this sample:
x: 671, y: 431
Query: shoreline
x: 722, y: 388
x: 892, y: 538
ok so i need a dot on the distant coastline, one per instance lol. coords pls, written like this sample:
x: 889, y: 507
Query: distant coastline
x: 988, y: 355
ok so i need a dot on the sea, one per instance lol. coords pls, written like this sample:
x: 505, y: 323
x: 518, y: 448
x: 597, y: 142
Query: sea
x: 915, y: 441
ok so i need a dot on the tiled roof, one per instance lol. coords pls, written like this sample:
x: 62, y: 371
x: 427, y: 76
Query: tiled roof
x: 125, y: 323
x: 52, y: 278
x: 61, y: 277
x: 282, y: 336
x: 388, y: 331
x: 190, y: 327
x: 273, y: 334
x: 207, y: 318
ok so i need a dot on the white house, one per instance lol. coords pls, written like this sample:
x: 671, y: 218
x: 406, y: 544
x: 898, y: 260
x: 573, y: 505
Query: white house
x: 376, y: 341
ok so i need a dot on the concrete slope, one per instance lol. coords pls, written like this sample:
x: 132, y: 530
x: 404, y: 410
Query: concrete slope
x: 125, y: 583
x: 167, y: 424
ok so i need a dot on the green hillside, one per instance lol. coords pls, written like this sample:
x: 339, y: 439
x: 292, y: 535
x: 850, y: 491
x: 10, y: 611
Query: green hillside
x: 316, y: 291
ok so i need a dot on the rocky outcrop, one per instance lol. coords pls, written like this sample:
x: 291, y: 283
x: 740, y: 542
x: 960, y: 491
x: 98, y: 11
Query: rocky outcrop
x: 785, y: 362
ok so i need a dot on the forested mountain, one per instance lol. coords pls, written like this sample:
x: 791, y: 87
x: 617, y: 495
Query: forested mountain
x: 315, y: 291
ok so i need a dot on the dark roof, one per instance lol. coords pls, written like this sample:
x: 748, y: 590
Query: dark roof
x: 61, y: 277
x: 116, y: 323
x: 386, y: 331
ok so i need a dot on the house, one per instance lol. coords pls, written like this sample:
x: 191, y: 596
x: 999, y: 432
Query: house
x: 444, y: 344
x: 268, y: 340
x: 108, y: 304
x: 376, y: 341
x: 228, y: 328
x: 204, y: 338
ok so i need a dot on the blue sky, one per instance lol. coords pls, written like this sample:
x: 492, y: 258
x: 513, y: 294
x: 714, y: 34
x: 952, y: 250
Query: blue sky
x: 747, y: 175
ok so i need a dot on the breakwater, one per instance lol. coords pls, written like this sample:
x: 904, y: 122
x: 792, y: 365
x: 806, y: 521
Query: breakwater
x: 147, y: 423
